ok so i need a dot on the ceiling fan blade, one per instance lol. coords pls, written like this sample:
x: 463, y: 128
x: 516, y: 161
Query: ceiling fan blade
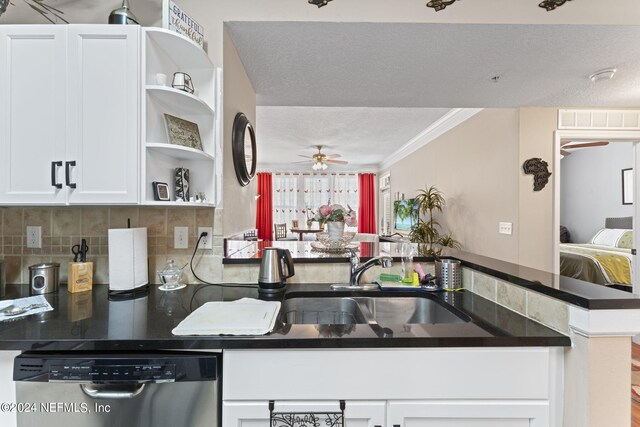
x: 338, y: 162
x: 306, y: 157
x: 569, y: 145
x: 565, y: 152
x: 332, y: 156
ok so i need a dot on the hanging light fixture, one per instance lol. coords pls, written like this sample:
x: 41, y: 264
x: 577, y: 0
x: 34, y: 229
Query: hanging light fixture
x: 319, y: 3
x: 439, y: 5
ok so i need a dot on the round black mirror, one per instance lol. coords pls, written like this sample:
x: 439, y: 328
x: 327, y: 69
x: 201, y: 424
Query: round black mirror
x: 243, y: 145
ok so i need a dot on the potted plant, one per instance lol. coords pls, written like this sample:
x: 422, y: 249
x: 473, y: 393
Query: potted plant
x: 428, y: 231
x: 336, y: 216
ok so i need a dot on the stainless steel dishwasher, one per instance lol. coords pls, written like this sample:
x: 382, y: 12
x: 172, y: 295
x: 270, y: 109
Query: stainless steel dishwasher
x: 135, y: 390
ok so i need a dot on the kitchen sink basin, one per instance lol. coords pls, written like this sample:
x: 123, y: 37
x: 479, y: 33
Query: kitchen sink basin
x: 323, y: 311
x: 356, y: 310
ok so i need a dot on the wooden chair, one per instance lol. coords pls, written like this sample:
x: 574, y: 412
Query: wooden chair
x: 280, y: 232
x: 251, y: 235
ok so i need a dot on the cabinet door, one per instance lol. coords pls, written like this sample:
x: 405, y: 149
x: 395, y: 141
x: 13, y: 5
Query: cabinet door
x: 256, y: 414
x: 32, y: 113
x: 103, y: 81
x: 468, y: 414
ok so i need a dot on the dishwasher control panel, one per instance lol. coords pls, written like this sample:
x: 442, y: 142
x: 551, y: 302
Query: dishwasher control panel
x: 111, y: 368
x: 91, y: 372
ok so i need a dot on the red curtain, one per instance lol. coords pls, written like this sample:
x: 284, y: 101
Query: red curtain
x: 367, y: 208
x: 264, y: 212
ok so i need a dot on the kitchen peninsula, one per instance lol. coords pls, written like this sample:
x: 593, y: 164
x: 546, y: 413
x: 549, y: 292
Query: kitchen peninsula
x: 499, y: 338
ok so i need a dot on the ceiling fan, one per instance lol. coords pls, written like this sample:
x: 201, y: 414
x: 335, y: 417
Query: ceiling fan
x: 569, y: 145
x: 320, y: 159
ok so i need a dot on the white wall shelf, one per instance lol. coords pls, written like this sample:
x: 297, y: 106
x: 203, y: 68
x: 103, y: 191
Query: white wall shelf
x: 184, y: 101
x: 181, y: 204
x: 166, y: 52
x: 179, y: 47
x: 178, y: 152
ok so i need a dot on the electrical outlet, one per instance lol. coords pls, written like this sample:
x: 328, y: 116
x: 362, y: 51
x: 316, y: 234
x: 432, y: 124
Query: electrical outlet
x: 34, y: 236
x: 180, y: 237
x: 505, y: 228
x: 205, y: 242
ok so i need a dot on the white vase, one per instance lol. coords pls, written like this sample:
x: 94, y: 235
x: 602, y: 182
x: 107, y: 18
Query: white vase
x: 335, y: 230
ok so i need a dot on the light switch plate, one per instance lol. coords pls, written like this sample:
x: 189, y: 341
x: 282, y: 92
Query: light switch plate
x: 181, y: 237
x: 505, y: 228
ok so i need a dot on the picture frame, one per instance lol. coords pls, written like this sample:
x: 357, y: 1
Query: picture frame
x: 182, y: 132
x: 627, y: 186
x: 160, y: 191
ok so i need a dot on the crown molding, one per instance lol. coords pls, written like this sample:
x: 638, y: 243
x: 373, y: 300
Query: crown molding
x: 447, y: 122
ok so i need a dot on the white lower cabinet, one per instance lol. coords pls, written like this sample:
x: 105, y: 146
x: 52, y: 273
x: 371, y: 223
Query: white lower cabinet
x: 256, y: 414
x: 451, y: 413
x: 439, y: 387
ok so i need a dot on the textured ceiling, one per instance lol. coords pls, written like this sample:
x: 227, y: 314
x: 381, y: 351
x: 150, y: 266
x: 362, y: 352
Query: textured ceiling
x: 362, y: 136
x: 438, y: 65
x: 416, y: 67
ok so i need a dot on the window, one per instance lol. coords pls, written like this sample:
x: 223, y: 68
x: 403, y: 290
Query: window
x: 298, y: 196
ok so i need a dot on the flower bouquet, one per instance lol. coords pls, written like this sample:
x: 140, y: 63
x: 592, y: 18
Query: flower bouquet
x: 336, y: 217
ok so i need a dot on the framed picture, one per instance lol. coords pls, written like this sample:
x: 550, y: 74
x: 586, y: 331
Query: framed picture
x: 160, y: 191
x: 182, y: 132
x: 627, y: 186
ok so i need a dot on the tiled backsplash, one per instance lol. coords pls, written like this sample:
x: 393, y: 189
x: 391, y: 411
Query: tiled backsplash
x: 63, y: 227
x: 550, y: 312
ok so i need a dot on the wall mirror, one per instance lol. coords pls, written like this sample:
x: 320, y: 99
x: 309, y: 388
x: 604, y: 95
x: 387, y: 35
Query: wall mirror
x: 243, y: 140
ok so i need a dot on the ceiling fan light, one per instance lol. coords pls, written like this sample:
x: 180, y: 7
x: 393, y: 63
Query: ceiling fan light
x: 324, y: 166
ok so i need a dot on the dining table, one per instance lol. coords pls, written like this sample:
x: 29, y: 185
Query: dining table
x: 303, y: 230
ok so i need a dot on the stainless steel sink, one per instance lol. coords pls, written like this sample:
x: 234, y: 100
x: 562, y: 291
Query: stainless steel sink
x: 357, y: 310
x: 322, y: 311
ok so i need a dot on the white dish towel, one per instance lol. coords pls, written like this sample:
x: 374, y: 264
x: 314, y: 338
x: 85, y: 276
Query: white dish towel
x: 246, y: 316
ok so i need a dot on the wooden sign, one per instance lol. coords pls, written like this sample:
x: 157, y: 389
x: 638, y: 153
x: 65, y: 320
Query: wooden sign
x: 175, y: 19
x: 182, y: 132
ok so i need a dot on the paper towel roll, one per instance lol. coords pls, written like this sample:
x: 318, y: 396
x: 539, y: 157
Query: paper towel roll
x: 128, y: 264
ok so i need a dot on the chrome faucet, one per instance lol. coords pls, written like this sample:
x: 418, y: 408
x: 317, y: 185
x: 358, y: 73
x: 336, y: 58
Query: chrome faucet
x: 357, y: 269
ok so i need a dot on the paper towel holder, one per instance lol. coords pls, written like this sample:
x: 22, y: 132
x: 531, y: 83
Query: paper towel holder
x: 128, y: 263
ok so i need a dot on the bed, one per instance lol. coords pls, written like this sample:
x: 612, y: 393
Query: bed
x: 606, y: 259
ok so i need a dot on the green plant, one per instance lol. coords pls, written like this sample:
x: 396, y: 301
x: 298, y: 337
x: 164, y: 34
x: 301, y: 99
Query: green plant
x: 427, y: 231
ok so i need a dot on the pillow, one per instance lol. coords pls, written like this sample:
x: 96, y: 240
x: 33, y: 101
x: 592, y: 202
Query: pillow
x: 609, y: 237
x: 626, y: 240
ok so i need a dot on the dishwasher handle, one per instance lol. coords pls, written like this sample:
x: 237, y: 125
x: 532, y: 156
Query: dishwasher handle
x: 110, y: 391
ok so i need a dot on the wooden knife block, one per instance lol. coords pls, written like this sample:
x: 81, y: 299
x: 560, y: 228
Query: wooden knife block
x: 80, y: 277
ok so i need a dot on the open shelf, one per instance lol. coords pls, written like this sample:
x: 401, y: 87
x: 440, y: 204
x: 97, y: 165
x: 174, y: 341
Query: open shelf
x: 178, y: 152
x: 183, y: 50
x: 180, y: 99
x: 176, y: 204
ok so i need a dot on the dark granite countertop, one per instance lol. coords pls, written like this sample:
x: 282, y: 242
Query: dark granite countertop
x: 573, y: 291
x: 89, y: 321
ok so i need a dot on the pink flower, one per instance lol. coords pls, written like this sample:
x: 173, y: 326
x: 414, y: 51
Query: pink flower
x: 325, y: 210
x: 351, y: 220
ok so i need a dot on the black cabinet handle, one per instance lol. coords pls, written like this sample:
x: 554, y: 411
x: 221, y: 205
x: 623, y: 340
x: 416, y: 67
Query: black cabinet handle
x: 67, y: 173
x: 54, y: 182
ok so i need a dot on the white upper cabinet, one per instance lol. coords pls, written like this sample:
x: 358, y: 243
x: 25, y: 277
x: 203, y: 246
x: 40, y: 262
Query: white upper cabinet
x: 32, y: 113
x: 70, y: 117
x: 82, y: 115
x: 103, y: 114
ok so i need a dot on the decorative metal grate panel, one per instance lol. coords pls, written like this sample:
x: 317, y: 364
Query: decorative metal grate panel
x: 306, y: 419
